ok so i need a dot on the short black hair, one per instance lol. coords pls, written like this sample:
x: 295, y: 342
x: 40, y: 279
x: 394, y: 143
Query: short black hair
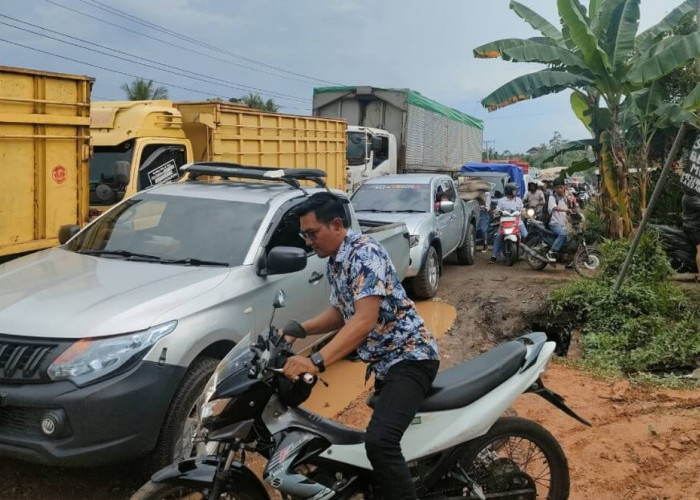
x: 558, y: 182
x: 326, y: 206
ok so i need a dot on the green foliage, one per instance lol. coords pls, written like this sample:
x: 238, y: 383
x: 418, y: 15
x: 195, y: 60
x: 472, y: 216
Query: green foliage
x: 650, y: 325
x: 144, y: 90
x: 256, y: 102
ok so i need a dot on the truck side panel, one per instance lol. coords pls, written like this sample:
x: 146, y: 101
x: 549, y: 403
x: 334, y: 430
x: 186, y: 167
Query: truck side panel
x: 44, y: 154
x: 225, y: 132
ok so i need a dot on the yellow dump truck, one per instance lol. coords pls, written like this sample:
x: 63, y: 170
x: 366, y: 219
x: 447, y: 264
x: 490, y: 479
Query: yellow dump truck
x: 137, y: 144
x: 44, y: 154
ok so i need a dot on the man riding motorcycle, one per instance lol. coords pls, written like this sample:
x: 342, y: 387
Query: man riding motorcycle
x: 511, y: 202
x: 558, y: 209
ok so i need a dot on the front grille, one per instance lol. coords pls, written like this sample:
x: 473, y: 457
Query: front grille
x: 23, y: 360
x: 20, y: 422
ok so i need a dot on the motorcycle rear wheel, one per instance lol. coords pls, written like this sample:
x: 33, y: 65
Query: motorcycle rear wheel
x: 510, y: 252
x: 517, y: 454
x: 174, y: 491
x: 588, y: 265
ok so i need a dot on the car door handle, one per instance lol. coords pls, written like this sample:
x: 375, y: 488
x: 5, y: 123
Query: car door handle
x: 315, y: 277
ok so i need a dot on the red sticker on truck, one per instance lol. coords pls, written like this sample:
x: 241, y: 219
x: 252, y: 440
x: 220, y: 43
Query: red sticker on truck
x: 58, y: 174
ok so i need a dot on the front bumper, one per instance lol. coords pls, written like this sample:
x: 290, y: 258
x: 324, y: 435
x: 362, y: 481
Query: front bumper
x: 417, y: 254
x: 110, y: 421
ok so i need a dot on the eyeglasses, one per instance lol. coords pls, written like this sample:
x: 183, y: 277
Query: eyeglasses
x: 310, y: 234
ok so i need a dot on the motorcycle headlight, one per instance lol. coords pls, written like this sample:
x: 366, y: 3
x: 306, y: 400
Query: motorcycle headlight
x: 530, y: 212
x: 90, y: 360
x: 413, y: 240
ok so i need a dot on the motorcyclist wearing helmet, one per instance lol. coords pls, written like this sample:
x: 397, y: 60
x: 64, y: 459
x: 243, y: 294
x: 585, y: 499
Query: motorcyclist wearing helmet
x: 511, y: 202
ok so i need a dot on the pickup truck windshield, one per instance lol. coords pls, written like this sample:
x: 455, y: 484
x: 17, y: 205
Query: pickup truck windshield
x: 392, y: 198
x: 173, y: 230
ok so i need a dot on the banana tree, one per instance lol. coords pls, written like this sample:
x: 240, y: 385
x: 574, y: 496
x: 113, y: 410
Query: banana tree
x: 599, y: 55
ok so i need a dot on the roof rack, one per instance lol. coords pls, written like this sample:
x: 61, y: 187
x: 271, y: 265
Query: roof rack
x: 290, y: 176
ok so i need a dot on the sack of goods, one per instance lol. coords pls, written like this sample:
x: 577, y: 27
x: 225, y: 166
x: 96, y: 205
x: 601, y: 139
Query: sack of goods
x: 470, y: 195
x: 469, y: 185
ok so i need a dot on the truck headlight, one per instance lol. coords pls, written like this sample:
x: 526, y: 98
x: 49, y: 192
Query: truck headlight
x: 413, y: 240
x: 89, y: 360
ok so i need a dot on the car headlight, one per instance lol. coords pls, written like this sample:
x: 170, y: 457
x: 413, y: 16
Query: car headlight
x: 413, y: 240
x: 89, y: 360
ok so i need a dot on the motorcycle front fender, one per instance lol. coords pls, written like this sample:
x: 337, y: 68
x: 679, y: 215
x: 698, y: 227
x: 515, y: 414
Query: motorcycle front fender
x: 511, y: 237
x: 202, y: 471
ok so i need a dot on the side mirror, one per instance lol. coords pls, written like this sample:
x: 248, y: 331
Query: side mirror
x: 285, y: 260
x: 67, y: 232
x: 280, y: 300
x: 446, y: 206
x: 376, y: 144
x: 122, y: 173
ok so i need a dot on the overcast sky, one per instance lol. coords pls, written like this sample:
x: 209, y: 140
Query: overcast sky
x: 422, y: 45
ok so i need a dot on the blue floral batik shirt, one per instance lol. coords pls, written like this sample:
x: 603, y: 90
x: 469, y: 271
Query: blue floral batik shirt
x: 360, y: 269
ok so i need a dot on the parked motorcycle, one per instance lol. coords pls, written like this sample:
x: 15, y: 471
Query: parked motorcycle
x: 458, y: 446
x: 509, y: 229
x: 679, y: 249
x: 585, y: 259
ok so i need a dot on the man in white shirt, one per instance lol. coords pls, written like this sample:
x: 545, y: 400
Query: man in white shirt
x: 511, y: 202
x: 558, y: 209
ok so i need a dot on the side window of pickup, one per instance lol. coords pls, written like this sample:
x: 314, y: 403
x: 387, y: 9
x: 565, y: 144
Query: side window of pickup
x: 287, y: 233
x: 450, y: 191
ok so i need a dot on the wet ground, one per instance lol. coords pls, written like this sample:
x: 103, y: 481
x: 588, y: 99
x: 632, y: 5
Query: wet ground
x: 644, y: 444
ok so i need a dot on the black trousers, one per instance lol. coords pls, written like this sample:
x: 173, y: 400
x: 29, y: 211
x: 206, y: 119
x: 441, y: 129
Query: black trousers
x: 399, y: 395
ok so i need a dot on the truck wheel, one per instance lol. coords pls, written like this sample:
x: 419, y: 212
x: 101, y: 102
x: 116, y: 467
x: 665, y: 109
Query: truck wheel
x: 425, y: 285
x: 175, y: 440
x: 465, y: 253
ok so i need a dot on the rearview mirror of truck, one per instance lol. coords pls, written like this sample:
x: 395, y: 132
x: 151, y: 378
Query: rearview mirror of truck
x: 122, y: 173
x: 67, y: 232
x: 447, y: 206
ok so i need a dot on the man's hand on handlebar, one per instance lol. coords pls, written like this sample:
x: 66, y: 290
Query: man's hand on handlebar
x: 296, y: 366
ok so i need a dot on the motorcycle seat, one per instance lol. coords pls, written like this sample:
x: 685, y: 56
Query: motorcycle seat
x: 334, y: 432
x: 539, y: 226
x: 463, y: 384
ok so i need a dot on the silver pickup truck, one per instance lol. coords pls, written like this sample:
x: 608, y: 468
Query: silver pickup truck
x: 439, y: 221
x: 106, y: 342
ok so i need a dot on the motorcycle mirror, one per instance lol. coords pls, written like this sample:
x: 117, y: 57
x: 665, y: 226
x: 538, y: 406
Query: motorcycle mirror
x: 280, y: 300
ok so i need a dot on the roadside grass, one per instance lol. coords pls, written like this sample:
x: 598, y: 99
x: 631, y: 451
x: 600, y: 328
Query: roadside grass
x: 649, y: 332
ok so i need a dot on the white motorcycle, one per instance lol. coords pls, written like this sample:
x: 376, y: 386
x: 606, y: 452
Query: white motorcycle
x: 458, y: 446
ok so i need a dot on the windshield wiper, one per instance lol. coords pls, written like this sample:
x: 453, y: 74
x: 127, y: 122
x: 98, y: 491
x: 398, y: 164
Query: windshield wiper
x: 195, y: 262
x: 121, y: 253
x: 375, y: 210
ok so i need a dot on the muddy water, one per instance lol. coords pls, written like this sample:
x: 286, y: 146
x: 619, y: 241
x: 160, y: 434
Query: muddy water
x: 346, y: 380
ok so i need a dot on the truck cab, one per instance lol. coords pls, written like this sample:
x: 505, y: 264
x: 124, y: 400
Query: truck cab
x: 135, y: 145
x: 371, y: 152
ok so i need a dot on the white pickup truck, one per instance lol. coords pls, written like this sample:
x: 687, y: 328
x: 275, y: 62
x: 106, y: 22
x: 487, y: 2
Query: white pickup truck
x: 106, y: 342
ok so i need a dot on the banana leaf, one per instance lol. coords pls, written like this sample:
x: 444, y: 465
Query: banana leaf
x: 674, y: 54
x: 537, y: 22
x: 533, y: 85
x: 646, y: 39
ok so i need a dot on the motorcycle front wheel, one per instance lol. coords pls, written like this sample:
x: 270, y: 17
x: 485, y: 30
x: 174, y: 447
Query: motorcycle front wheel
x: 519, y: 457
x: 173, y: 491
x: 510, y: 252
x: 588, y: 262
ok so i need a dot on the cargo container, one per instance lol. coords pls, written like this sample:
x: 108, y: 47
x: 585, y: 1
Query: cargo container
x: 44, y: 154
x: 431, y: 137
x: 137, y: 144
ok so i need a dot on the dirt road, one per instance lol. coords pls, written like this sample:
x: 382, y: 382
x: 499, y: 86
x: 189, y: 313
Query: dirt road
x: 644, y: 444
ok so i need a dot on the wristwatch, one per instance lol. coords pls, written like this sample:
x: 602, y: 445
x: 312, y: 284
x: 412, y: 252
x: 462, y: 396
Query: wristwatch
x: 317, y: 360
